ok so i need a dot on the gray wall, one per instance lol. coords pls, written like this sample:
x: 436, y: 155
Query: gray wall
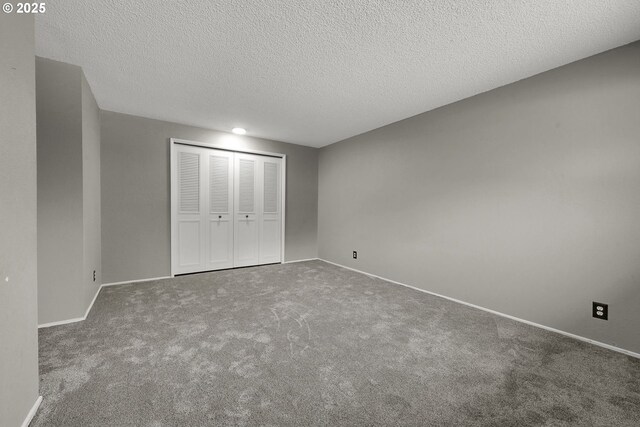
x: 525, y: 199
x: 92, y: 232
x: 135, y: 193
x: 60, y: 244
x: 68, y: 191
x: 18, y: 254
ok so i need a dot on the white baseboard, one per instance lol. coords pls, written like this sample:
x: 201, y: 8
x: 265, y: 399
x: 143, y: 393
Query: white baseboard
x: 80, y: 319
x: 517, y: 319
x: 61, y: 322
x: 135, y: 281
x: 75, y: 319
x: 86, y: 313
x: 32, y: 412
x: 300, y: 260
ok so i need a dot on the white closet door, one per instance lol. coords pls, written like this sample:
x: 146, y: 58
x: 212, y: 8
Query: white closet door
x: 247, y: 210
x: 220, y: 209
x: 270, y: 227
x: 226, y: 209
x: 188, y: 244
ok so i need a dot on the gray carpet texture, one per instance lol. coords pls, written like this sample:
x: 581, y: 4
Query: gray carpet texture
x: 310, y: 343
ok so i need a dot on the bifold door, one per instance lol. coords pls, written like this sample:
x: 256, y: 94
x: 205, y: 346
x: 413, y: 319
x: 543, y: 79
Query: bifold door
x: 220, y: 215
x: 270, y: 215
x: 257, y: 210
x: 226, y: 209
x: 246, y: 206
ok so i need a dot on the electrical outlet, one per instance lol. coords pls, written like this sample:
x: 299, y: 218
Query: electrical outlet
x: 600, y: 311
x: 94, y: 275
x: 355, y: 254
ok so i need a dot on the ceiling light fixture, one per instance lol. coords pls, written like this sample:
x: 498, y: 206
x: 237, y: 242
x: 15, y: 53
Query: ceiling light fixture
x: 239, y: 131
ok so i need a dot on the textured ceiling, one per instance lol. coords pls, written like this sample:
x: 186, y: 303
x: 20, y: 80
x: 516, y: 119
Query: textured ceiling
x: 314, y: 72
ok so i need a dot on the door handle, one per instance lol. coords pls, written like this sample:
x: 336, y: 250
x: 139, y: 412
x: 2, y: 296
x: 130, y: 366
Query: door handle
x: 246, y: 216
x: 219, y: 216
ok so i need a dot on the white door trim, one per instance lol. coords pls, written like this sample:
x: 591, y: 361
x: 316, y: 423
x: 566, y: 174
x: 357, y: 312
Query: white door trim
x: 225, y: 147
x: 283, y: 171
x: 222, y: 146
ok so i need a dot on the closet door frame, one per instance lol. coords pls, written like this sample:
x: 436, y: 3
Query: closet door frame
x: 226, y: 143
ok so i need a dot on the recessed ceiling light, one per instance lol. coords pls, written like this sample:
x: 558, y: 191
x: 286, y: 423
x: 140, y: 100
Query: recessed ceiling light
x: 239, y: 131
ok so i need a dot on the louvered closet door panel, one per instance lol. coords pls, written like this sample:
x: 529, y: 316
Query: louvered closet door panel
x: 270, y: 230
x: 226, y: 209
x: 246, y: 226
x: 220, y: 209
x: 188, y: 246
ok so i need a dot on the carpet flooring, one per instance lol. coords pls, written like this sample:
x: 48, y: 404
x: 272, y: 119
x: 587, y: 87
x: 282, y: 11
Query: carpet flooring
x: 314, y: 344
